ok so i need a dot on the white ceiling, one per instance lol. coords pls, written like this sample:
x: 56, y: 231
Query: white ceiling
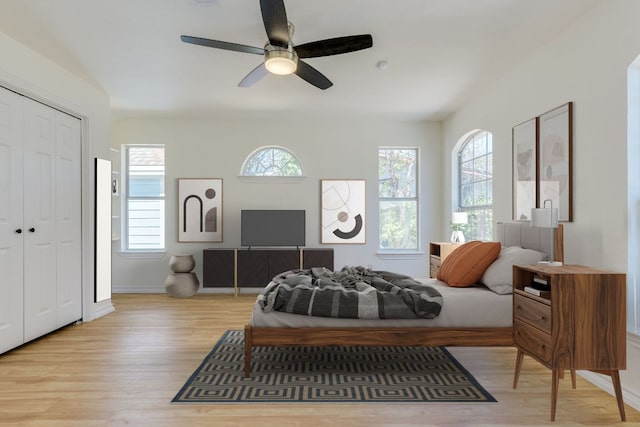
x: 438, y: 51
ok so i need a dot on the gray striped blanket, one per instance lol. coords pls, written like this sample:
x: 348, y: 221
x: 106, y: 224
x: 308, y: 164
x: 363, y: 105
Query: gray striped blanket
x: 353, y: 292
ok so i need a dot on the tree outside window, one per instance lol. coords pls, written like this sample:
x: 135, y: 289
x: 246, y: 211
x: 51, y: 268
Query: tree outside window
x: 398, y: 198
x: 475, y: 191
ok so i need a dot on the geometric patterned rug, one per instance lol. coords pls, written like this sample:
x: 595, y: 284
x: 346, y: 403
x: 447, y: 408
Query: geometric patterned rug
x: 330, y: 374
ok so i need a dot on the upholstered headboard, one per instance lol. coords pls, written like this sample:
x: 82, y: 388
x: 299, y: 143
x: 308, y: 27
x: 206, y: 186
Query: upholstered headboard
x: 523, y: 234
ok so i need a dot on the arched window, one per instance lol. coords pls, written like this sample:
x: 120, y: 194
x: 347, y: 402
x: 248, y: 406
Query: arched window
x: 271, y: 161
x: 475, y: 185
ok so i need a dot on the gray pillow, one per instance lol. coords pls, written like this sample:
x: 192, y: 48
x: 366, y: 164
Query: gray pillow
x: 499, y: 275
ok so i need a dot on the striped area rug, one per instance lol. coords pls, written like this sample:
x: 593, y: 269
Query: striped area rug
x: 330, y: 374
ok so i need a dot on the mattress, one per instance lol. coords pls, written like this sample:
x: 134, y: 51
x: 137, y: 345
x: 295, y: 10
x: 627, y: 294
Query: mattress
x: 473, y: 307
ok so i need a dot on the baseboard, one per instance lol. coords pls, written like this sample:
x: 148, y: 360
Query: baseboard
x: 115, y: 289
x: 103, y: 309
x: 631, y: 396
x: 160, y: 290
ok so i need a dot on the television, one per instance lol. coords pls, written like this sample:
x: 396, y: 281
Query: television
x: 272, y: 228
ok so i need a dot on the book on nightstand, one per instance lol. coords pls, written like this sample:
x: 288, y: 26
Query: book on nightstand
x: 538, y: 292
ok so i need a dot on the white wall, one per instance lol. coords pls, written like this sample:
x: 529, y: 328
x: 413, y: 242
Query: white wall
x: 327, y: 148
x: 586, y: 64
x: 31, y: 74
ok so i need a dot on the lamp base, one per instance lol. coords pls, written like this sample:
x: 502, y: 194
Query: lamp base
x: 457, y: 237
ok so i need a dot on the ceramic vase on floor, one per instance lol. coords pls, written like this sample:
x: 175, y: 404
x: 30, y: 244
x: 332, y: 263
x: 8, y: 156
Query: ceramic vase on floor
x: 182, y: 283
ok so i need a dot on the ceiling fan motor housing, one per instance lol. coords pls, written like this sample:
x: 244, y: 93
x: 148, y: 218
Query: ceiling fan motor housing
x: 279, y: 60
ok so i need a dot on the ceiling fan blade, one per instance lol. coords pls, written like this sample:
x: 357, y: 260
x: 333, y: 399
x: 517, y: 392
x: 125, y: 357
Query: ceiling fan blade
x: 334, y: 46
x: 222, y: 45
x: 274, y: 16
x: 254, y: 76
x: 313, y: 76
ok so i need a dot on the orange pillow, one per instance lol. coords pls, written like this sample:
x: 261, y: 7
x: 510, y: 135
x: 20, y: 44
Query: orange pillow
x: 465, y: 266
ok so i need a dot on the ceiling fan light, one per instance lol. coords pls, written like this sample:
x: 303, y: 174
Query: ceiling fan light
x: 281, y: 62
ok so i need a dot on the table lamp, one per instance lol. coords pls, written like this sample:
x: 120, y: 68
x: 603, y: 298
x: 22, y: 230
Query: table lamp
x: 546, y: 217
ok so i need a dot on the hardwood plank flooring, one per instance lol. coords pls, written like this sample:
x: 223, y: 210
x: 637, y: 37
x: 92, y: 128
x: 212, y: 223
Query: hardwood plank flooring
x: 125, y: 368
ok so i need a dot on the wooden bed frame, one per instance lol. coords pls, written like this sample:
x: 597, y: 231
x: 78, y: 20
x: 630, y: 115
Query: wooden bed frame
x: 509, y: 234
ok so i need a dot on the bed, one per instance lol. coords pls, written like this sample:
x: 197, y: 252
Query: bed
x: 456, y: 325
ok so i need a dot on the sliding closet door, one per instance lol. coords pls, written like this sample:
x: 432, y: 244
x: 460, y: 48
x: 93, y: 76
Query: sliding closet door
x: 68, y: 217
x: 40, y: 288
x: 11, y: 229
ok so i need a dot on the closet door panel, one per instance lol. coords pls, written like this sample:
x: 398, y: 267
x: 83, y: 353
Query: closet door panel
x: 11, y: 241
x: 40, y: 274
x: 68, y: 231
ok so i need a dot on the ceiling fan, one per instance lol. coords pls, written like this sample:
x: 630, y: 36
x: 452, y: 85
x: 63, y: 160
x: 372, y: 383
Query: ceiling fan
x: 281, y: 56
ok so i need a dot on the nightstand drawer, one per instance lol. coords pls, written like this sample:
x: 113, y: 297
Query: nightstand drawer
x: 532, y: 312
x: 532, y: 340
x: 434, y: 265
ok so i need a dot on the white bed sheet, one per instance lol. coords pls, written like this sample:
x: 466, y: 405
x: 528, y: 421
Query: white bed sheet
x: 471, y: 307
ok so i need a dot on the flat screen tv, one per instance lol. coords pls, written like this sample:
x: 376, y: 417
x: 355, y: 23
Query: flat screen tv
x: 272, y: 228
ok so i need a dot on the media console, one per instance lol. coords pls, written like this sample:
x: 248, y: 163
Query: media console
x: 254, y: 268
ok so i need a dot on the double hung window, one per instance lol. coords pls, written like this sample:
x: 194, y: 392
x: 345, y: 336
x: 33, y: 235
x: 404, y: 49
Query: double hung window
x: 398, y: 198
x: 144, y: 197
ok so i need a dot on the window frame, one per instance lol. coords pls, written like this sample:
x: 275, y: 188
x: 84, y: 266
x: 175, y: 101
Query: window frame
x: 255, y: 152
x: 473, y: 209
x: 415, y: 200
x: 125, y: 194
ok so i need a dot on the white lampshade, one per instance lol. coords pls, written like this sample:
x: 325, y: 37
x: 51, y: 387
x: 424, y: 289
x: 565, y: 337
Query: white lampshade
x: 546, y: 217
x: 459, y: 218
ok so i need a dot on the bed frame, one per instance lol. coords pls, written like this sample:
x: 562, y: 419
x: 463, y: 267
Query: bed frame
x: 509, y: 234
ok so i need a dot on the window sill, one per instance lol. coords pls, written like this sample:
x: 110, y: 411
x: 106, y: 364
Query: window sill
x: 142, y: 254
x: 400, y: 254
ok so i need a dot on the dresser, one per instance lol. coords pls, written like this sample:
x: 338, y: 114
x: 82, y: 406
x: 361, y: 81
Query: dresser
x: 579, y: 324
x: 438, y: 251
x: 254, y: 268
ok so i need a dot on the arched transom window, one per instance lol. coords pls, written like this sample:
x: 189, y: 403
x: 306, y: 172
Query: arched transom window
x: 272, y: 161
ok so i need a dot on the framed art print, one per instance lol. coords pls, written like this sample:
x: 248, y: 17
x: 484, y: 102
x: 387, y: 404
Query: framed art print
x: 525, y: 143
x: 343, y: 211
x: 200, y: 210
x: 555, y: 160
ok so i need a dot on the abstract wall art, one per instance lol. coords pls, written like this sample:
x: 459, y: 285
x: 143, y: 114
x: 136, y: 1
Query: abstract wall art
x: 542, y: 163
x: 200, y: 210
x: 343, y: 211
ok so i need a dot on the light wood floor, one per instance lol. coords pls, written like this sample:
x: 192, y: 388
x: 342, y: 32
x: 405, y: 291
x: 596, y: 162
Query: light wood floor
x: 125, y: 368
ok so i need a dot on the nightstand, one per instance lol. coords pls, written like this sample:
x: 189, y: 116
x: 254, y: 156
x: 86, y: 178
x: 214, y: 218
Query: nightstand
x: 438, y: 251
x: 580, y: 324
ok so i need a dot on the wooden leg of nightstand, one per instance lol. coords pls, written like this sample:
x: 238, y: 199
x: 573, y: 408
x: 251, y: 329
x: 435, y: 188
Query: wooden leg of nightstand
x: 615, y: 378
x: 555, y: 380
x: 573, y: 379
x: 516, y: 374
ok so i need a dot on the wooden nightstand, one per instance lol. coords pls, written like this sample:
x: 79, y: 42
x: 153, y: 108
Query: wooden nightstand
x: 580, y: 325
x: 438, y: 251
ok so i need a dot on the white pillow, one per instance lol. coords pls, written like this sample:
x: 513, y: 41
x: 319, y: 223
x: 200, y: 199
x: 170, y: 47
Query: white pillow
x: 499, y: 275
